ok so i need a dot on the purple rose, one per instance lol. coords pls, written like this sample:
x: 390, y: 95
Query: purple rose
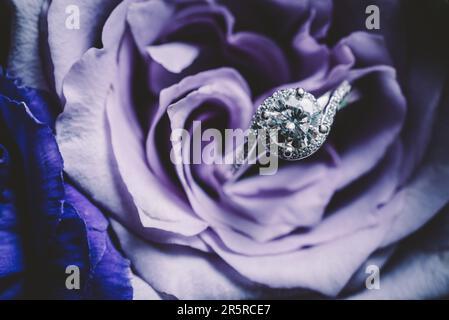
x: 137, y: 70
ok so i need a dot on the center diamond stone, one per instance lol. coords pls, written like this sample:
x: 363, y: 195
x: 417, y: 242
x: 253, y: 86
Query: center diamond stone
x: 296, y: 119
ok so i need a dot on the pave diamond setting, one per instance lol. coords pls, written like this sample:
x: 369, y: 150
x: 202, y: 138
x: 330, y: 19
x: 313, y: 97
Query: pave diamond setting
x: 295, y: 121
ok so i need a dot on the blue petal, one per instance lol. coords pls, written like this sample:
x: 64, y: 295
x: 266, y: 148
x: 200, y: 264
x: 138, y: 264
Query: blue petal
x: 11, y: 249
x: 110, y: 274
x: 41, y: 104
x: 45, y: 225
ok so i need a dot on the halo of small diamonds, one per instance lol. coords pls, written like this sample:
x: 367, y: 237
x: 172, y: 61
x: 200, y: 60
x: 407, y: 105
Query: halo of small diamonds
x: 300, y: 123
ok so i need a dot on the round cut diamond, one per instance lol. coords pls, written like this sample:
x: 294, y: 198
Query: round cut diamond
x: 296, y: 119
x: 294, y: 122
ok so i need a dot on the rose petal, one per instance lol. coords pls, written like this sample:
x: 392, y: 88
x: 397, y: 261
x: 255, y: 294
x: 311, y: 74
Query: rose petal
x: 111, y: 273
x: 359, y: 218
x: 180, y: 272
x: 12, y: 264
x: 175, y: 56
x: 426, y: 193
x: 68, y: 46
x: 61, y: 235
x: 82, y: 132
x: 142, y: 291
x: 169, y: 212
x: 325, y: 268
x: 24, y: 58
x: 424, y: 259
x: 147, y: 19
x: 267, y: 17
x: 210, y: 29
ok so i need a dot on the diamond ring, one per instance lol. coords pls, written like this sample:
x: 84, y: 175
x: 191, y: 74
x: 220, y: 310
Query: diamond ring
x: 294, y: 121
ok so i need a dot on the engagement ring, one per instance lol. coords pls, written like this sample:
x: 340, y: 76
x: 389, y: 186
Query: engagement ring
x: 292, y: 125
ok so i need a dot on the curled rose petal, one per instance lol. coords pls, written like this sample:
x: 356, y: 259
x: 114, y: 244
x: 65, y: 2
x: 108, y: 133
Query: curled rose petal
x: 174, y: 56
x: 67, y: 46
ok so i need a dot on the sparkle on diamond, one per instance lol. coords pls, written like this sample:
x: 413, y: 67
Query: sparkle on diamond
x: 296, y: 119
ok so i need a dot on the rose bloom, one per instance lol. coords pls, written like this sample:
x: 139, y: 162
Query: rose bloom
x: 375, y: 194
